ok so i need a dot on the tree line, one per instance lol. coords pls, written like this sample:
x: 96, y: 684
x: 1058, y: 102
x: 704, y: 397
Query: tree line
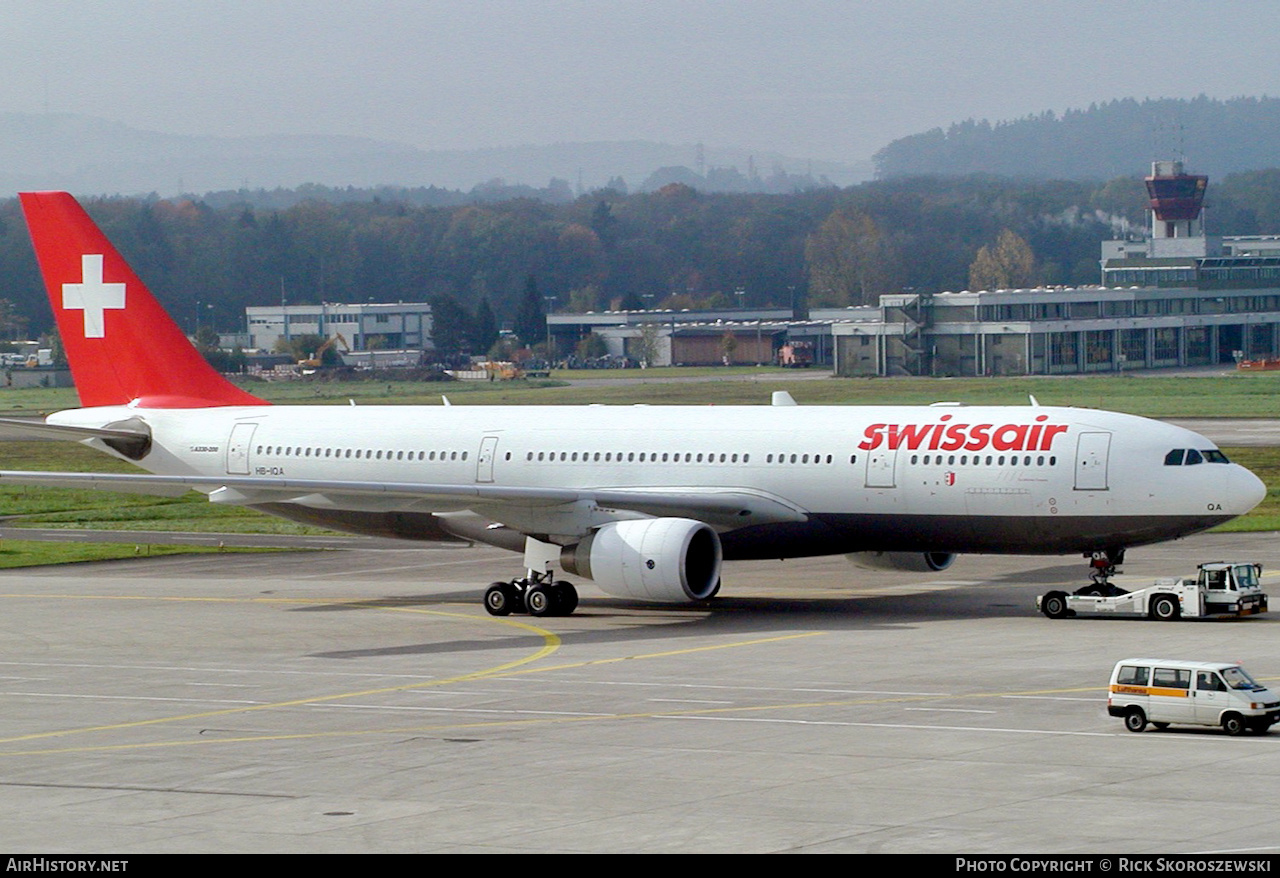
x: 1217, y: 137
x: 676, y: 247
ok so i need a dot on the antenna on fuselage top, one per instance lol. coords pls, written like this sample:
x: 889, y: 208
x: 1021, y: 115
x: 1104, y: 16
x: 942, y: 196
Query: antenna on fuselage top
x: 446, y: 399
x: 1034, y: 402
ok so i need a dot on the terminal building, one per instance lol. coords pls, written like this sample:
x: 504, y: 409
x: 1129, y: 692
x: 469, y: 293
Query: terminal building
x: 1172, y: 297
x: 400, y: 326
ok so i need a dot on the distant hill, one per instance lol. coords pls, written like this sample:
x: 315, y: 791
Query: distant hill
x: 90, y: 156
x: 1108, y: 140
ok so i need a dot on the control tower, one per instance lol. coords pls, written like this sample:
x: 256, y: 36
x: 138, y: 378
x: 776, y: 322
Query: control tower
x: 1177, y: 211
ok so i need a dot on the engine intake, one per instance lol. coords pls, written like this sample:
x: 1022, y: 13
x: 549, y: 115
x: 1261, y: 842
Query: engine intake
x: 913, y: 562
x: 668, y: 560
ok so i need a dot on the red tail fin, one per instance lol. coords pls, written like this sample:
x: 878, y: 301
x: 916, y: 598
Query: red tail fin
x: 121, y: 344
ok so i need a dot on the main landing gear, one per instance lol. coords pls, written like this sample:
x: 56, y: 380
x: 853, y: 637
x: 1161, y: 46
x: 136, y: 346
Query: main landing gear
x: 1102, y: 566
x: 537, y: 594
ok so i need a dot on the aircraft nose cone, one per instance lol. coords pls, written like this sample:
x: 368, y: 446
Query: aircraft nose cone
x: 1250, y: 489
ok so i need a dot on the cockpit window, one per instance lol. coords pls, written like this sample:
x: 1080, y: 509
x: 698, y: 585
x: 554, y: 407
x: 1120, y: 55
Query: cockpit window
x: 1192, y: 456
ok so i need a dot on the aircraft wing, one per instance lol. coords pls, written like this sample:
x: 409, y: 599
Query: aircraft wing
x: 724, y: 507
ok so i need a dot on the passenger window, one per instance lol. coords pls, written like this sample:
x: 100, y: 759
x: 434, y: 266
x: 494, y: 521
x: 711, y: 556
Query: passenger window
x: 1174, y: 458
x: 1133, y: 675
x: 1172, y: 678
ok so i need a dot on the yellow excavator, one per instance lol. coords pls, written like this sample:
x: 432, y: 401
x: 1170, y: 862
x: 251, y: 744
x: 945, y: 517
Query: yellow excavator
x: 314, y: 361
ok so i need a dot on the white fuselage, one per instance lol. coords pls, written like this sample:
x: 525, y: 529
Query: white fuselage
x: 885, y: 478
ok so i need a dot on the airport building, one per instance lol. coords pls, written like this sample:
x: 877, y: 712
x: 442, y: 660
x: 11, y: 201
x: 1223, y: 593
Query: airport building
x: 400, y: 326
x: 1176, y: 250
x: 1173, y: 296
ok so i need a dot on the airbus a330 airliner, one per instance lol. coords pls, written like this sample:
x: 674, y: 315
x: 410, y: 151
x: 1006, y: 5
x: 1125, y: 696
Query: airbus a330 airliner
x: 646, y: 501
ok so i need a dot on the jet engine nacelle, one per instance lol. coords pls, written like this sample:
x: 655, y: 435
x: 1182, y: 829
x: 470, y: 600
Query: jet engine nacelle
x: 668, y: 560
x: 914, y: 562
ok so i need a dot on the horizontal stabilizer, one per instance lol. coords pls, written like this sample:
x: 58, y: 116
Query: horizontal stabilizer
x: 132, y: 438
x: 24, y: 428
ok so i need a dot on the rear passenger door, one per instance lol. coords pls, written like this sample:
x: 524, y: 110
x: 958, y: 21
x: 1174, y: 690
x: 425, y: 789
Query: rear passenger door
x: 1171, y: 696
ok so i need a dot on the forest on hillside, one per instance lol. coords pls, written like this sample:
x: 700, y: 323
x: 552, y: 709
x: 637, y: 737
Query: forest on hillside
x: 676, y: 247
x: 1103, y: 141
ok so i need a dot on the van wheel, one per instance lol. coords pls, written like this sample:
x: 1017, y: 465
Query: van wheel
x: 1234, y: 724
x: 1165, y: 608
x: 1135, y: 720
x: 1054, y: 605
x: 1161, y: 726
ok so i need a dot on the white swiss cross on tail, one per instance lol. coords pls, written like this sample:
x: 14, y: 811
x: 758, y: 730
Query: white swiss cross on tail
x: 92, y: 296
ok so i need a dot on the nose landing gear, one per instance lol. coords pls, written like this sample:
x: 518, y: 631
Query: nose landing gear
x: 1102, y: 566
x: 537, y: 594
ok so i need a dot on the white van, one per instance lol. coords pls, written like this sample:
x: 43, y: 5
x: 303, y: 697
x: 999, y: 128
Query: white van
x: 1164, y: 691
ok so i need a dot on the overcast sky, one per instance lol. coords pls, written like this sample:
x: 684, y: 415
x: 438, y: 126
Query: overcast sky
x: 810, y: 78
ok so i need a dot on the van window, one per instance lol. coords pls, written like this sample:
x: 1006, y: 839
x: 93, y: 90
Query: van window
x: 1172, y: 678
x: 1238, y: 679
x: 1208, y: 681
x: 1133, y: 675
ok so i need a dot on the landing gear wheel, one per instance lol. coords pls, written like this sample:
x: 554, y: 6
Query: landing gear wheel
x: 500, y: 599
x: 539, y: 600
x: 565, y: 598
x: 1054, y: 605
x: 1165, y: 608
x: 1234, y: 724
x: 1135, y: 720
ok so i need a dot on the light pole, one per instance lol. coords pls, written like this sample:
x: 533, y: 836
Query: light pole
x: 551, y: 308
